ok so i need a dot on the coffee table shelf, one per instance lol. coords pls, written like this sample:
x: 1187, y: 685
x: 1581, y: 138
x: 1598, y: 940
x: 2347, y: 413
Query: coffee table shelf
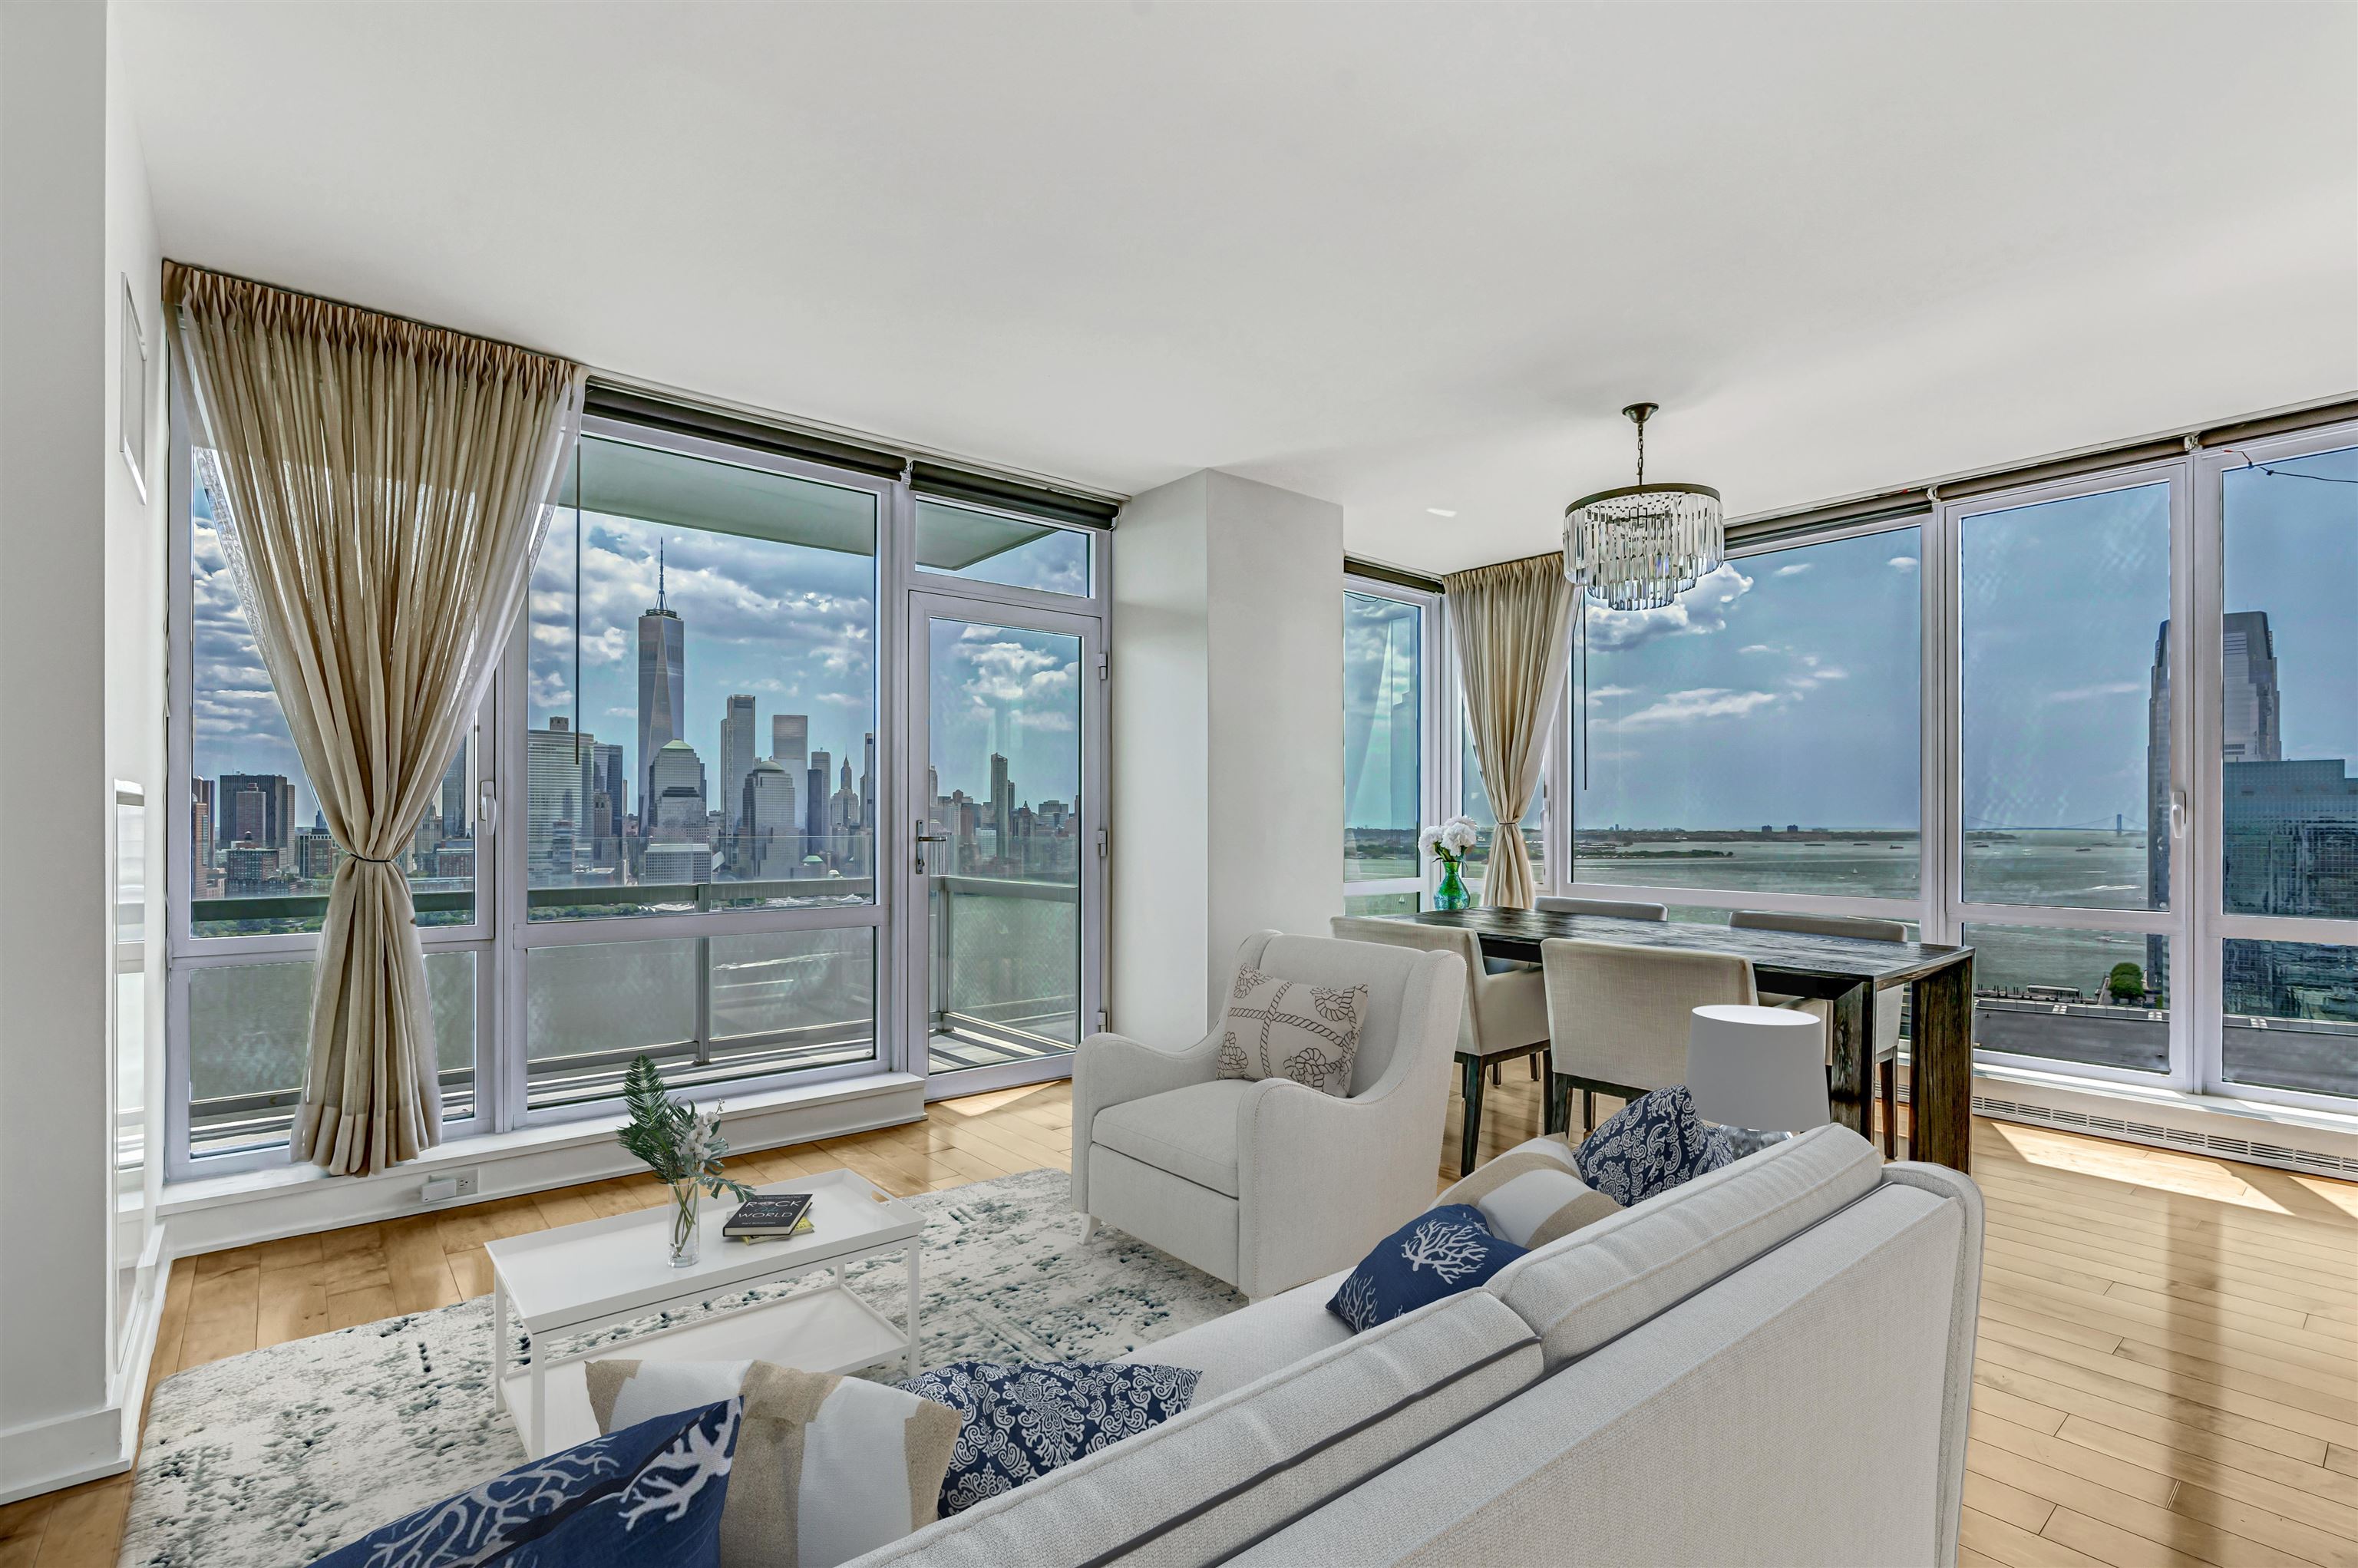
x: 576, y: 1278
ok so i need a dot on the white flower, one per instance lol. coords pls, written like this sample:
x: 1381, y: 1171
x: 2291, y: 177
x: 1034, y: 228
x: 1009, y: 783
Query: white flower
x: 1459, y: 835
x: 1429, y: 841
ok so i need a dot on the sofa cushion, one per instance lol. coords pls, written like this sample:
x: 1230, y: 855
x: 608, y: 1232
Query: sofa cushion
x: 1254, y: 1341
x: 1439, y: 1253
x: 1277, y: 1028
x: 1018, y: 1423
x: 1203, y: 1484
x: 1649, y: 1146
x: 1582, y: 1291
x: 1190, y: 1132
x: 1531, y: 1194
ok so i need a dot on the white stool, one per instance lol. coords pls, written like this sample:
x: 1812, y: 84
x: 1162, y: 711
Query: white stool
x: 1758, y: 1066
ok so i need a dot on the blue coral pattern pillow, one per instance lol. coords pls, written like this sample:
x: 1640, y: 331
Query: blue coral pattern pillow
x: 646, y: 1497
x: 1650, y: 1145
x: 1440, y: 1252
x: 1023, y: 1419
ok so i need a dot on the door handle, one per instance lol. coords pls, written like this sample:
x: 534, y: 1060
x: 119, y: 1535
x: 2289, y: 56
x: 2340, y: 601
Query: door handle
x: 921, y: 838
x: 2177, y: 816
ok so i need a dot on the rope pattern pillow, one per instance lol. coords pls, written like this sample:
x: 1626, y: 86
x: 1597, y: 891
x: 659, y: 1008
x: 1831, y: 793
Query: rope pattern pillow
x: 1531, y: 1194
x: 1277, y: 1028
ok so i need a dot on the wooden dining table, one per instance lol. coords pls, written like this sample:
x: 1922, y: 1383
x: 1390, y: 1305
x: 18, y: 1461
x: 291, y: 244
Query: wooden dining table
x: 1846, y: 971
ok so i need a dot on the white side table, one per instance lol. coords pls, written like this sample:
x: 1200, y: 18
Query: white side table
x: 577, y: 1277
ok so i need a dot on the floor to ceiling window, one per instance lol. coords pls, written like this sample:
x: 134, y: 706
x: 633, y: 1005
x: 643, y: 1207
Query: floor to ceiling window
x: 699, y: 768
x: 1393, y: 670
x: 669, y: 832
x: 1988, y: 722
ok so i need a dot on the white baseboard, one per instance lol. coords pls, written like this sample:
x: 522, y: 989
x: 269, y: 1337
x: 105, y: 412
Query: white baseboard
x: 89, y: 1446
x: 296, y: 1200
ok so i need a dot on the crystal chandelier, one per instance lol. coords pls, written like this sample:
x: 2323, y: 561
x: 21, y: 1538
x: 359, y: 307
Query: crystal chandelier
x: 1640, y: 546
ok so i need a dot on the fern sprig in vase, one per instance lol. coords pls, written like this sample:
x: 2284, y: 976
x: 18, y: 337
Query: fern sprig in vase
x: 682, y: 1145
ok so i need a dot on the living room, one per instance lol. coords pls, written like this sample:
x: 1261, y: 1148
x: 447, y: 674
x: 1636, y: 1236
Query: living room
x: 1404, y: 762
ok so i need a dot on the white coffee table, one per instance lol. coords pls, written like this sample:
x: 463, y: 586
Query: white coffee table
x: 577, y: 1278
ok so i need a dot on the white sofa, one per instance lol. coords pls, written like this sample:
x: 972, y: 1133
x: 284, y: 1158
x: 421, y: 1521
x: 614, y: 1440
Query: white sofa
x: 1769, y: 1365
x: 1263, y: 1182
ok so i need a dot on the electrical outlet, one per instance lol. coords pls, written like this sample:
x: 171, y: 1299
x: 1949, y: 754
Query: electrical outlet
x: 451, y: 1188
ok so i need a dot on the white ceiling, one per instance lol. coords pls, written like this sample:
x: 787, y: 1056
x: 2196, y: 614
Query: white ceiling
x: 1400, y: 257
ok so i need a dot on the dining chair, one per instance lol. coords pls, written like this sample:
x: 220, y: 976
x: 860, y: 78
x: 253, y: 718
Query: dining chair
x: 1887, y: 1001
x: 1506, y: 1014
x: 1618, y: 1017
x: 1548, y: 903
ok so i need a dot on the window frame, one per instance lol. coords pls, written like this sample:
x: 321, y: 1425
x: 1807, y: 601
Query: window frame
x: 1437, y: 700
x: 1563, y: 825
x: 520, y: 935
x: 2214, y: 925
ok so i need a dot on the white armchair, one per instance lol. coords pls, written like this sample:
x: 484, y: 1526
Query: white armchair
x: 1264, y: 1183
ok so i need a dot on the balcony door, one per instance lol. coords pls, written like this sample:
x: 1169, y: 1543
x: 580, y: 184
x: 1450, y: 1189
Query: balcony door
x: 1004, y: 866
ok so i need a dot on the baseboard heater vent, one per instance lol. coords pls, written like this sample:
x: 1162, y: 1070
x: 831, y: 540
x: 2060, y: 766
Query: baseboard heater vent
x: 2169, y: 1137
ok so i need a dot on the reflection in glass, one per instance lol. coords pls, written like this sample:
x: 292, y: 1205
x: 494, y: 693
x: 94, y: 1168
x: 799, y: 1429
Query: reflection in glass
x: 708, y: 1009
x: 2068, y: 996
x: 2065, y: 761
x: 2291, y: 1015
x: 702, y: 727
x: 1003, y: 790
x: 2290, y: 655
x: 248, y: 1043
x: 1762, y: 734
x: 987, y: 546
x: 130, y: 980
x: 1382, y: 749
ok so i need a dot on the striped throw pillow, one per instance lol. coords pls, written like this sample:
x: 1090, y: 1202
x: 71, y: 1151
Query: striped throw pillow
x: 826, y: 1468
x: 1532, y: 1194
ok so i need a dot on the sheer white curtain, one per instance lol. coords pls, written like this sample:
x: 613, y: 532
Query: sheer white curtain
x: 1512, y: 624
x: 381, y: 489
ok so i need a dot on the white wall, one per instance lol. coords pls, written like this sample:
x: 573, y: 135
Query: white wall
x: 1228, y: 739
x: 82, y: 698
x: 56, y: 1176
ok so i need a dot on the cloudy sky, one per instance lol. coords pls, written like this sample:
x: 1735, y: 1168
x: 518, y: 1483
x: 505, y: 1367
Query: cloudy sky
x: 791, y: 625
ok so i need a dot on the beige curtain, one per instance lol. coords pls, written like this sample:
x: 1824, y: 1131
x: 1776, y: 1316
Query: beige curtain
x: 1513, y: 625
x: 381, y: 489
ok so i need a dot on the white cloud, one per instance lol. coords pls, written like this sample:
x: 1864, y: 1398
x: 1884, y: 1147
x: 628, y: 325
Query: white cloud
x: 1702, y: 610
x: 1701, y: 703
x: 1796, y: 569
x: 1905, y: 563
x: 1755, y: 648
x: 1599, y: 694
x: 2090, y: 693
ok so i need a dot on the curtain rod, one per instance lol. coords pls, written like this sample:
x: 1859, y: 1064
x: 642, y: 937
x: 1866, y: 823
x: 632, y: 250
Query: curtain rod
x: 1399, y: 577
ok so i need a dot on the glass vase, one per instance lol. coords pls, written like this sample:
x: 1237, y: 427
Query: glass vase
x: 683, y: 1225
x: 1452, y: 893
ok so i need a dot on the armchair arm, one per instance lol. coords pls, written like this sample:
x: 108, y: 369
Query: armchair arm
x: 1320, y: 1179
x: 1109, y: 1069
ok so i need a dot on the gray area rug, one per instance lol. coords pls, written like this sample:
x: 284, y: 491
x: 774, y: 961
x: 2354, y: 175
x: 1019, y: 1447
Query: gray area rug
x: 273, y: 1458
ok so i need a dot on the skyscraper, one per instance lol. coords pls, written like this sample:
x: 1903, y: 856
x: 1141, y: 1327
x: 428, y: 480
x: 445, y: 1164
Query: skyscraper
x: 790, y: 744
x: 557, y: 775
x: 2248, y: 733
x: 662, y: 687
x: 274, y: 827
x: 1003, y: 804
x: 815, y: 798
x: 676, y: 794
x: 736, y: 755
x: 454, y: 797
x: 770, y: 844
x: 607, y: 761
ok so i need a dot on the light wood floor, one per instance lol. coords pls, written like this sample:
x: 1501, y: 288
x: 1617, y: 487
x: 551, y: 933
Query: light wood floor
x: 2168, y: 1370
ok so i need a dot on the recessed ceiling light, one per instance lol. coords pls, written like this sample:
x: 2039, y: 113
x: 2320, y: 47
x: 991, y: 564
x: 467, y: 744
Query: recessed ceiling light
x: 1441, y: 512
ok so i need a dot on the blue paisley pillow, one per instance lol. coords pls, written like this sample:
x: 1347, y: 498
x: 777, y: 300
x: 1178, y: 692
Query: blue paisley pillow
x: 1024, y: 1419
x: 1442, y: 1251
x: 646, y: 1497
x: 1650, y: 1145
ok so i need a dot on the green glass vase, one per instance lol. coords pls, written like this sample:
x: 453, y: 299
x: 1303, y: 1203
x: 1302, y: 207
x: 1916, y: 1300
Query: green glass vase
x: 1452, y: 893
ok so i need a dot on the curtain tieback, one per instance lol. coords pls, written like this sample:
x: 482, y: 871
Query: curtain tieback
x: 373, y: 861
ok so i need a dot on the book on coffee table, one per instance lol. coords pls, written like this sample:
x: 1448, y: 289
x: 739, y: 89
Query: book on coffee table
x: 769, y: 1217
